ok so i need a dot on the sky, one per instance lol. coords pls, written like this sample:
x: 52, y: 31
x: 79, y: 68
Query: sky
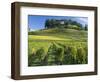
x: 36, y: 22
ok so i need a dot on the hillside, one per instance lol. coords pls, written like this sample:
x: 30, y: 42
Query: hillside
x: 62, y: 33
x: 57, y: 47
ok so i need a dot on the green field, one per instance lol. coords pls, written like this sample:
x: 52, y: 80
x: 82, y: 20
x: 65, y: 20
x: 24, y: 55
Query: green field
x: 57, y: 47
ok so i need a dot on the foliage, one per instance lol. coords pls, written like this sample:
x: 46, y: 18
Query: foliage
x: 59, y: 54
x: 86, y: 28
x: 54, y: 23
x: 73, y: 27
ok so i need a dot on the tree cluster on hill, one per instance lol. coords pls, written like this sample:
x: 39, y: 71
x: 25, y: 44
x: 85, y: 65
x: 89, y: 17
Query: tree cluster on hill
x: 54, y: 23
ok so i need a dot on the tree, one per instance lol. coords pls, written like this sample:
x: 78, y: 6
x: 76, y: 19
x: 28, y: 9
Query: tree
x: 54, y: 23
x: 86, y: 28
x: 47, y: 24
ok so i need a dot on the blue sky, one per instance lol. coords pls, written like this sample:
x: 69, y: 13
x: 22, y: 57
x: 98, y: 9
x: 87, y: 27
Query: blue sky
x: 37, y: 22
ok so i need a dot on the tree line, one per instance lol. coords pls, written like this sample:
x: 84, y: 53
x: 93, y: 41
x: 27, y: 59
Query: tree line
x: 54, y: 23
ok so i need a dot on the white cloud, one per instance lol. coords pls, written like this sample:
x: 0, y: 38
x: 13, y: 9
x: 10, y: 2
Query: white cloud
x: 83, y: 19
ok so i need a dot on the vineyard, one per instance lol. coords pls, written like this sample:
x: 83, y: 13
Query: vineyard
x: 57, y: 47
